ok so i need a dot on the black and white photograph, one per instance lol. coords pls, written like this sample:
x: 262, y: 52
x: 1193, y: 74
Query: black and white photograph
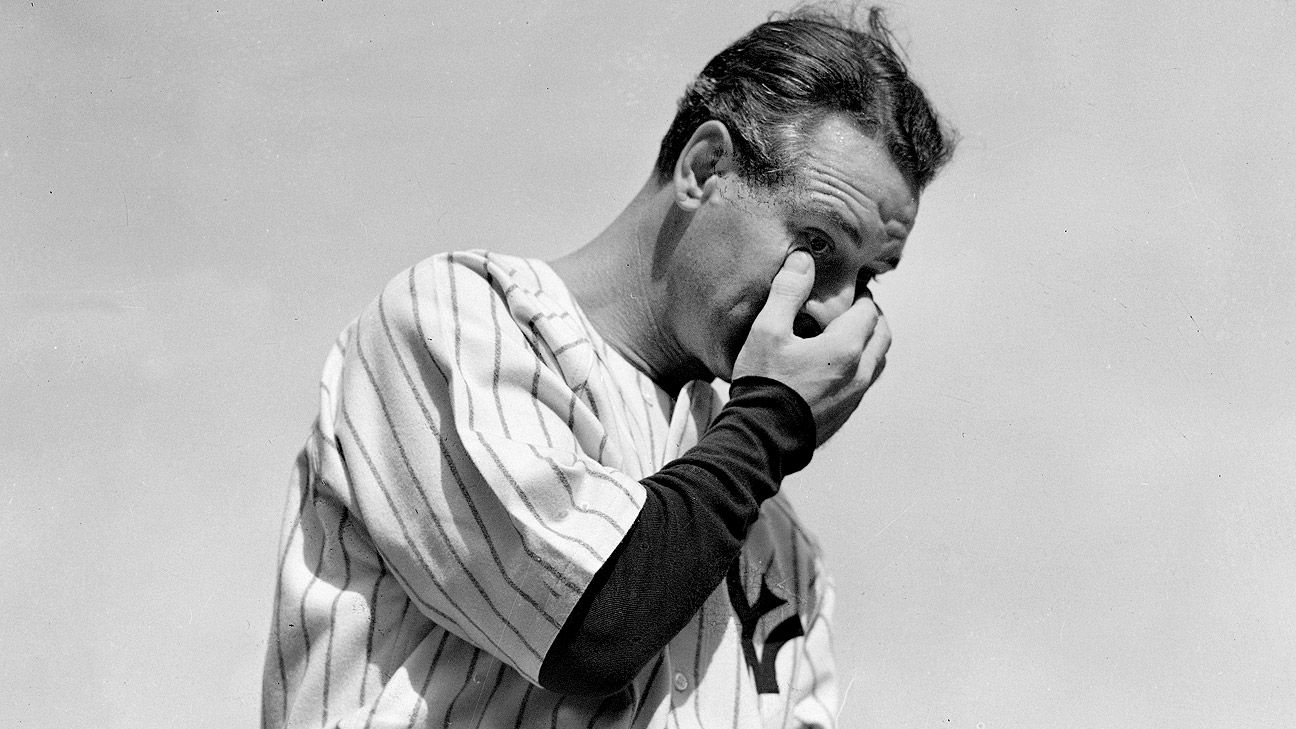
x: 820, y: 365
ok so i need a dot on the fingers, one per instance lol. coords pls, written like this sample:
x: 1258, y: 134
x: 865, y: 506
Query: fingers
x: 862, y: 330
x: 856, y: 324
x: 788, y: 292
x: 873, y: 358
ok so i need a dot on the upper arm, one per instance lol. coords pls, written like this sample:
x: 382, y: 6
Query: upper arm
x: 472, y: 458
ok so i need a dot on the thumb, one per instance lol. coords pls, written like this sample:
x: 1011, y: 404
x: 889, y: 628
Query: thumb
x: 788, y: 292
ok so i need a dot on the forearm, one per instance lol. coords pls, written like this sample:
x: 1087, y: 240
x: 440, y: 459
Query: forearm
x: 695, y: 518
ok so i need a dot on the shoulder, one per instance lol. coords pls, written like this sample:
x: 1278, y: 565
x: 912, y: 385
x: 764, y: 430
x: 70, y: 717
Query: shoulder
x: 480, y: 270
x: 459, y: 293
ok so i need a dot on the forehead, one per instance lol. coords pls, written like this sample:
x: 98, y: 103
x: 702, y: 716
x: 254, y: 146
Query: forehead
x: 840, y: 170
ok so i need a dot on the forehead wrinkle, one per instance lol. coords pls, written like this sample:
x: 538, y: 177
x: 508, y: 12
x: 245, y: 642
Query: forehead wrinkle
x: 826, y: 194
x: 862, y: 170
x: 869, y: 191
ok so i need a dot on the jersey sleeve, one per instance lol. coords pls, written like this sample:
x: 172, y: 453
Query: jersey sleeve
x: 472, y: 450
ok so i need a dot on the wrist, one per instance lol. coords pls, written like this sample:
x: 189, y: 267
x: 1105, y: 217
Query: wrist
x: 783, y: 415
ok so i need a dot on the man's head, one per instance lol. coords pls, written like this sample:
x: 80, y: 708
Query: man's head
x: 806, y: 134
x: 775, y: 85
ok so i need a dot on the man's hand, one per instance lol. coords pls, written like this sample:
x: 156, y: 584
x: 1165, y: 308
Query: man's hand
x: 831, y: 371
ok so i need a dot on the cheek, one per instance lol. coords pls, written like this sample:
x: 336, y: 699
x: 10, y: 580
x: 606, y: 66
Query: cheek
x: 741, y: 312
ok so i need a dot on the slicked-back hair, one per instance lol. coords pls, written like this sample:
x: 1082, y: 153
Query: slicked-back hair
x: 775, y: 85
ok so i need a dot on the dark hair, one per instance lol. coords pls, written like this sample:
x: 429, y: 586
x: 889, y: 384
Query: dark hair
x: 775, y: 85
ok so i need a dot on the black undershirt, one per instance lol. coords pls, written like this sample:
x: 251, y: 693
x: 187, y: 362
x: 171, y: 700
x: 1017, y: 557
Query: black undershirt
x: 694, y: 520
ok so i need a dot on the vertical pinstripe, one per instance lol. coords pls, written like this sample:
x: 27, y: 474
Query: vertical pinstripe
x: 275, y: 634
x: 476, y: 457
x: 495, y: 377
x: 522, y: 706
x: 741, y: 666
x: 490, y: 545
x: 647, y: 690
x: 697, y: 662
x: 553, y: 717
x: 433, y: 665
x: 468, y: 678
x: 314, y: 580
x: 488, y: 699
x: 494, y: 456
x: 418, y: 326
x: 373, y: 624
x: 346, y: 582
x: 796, y: 589
x: 422, y: 560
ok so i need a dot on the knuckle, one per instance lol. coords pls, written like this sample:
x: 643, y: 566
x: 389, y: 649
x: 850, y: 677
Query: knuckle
x: 846, y: 353
x: 881, y: 334
x: 868, y: 361
x: 870, y: 322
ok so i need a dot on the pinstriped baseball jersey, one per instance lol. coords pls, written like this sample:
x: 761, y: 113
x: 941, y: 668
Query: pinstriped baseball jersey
x: 475, y: 461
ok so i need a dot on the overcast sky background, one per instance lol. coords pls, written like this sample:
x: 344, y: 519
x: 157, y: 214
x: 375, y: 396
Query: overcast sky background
x: 1068, y: 503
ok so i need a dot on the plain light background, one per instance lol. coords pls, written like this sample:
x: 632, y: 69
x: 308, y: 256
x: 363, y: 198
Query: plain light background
x: 1068, y: 503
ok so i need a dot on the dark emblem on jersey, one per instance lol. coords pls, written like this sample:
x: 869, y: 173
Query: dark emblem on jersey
x: 748, y: 615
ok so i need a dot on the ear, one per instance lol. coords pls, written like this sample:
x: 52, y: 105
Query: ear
x: 708, y: 154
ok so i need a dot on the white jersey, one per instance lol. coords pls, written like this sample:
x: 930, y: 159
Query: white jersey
x: 476, y: 459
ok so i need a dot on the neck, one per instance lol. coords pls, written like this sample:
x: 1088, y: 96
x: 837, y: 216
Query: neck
x: 613, y: 279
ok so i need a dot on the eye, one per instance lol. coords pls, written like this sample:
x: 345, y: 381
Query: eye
x: 818, y: 243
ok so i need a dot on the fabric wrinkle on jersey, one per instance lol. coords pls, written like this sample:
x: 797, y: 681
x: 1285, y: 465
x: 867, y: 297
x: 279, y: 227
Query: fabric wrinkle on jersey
x: 475, y: 461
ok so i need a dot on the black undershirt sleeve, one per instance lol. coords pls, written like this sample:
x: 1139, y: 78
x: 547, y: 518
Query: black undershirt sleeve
x: 694, y: 521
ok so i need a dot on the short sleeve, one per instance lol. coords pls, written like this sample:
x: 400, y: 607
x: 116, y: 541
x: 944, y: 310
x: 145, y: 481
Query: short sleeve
x: 473, y: 449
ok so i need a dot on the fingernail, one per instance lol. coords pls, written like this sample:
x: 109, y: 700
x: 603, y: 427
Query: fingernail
x: 798, y: 261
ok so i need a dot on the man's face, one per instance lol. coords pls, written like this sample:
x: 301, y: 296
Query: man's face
x: 848, y: 206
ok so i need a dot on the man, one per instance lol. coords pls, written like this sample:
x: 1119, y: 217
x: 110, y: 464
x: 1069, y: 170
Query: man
x: 523, y: 502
